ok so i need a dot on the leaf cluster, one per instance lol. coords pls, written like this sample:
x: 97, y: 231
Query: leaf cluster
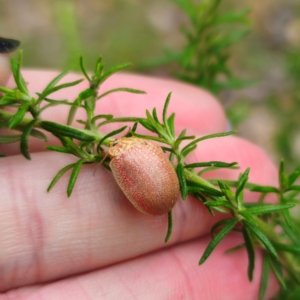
x: 203, y: 60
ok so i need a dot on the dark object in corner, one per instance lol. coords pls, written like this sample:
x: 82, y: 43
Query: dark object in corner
x: 8, y: 45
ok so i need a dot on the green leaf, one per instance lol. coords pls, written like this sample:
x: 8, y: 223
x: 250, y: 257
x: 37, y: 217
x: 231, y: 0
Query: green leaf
x: 165, y: 110
x: 233, y: 17
x: 24, y: 139
x: 6, y: 91
x: 56, y: 102
x: 158, y: 128
x: 77, y: 150
x: 283, y: 179
x: 113, y: 70
x: 170, y: 226
x: 73, y: 111
x: 74, y: 176
x: 7, y: 100
x: 98, y: 72
x: 58, y: 149
x: 293, y: 176
x: 218, y: 226
x: 170, y: 122
x: 290, y: 233
x: 123, y: 89
x: 134, y: 128
x: 247, y: 216
x: 218, y: 203
x: 149, y: 137
x: 122, y: 119
x: 166, y: 149
x: 238, y: 112
x: 16, y: 70
x: 99, y: 66
x: 259, y: 209
x: 250, y: 252
x: 208, y: 190
x: 234, y: 83
x: 59, y: 175
x: 82, y: 68
x: 228, y: 193
x: 38, y: 134
x: 51, y: 85
x: 183, y: 138
x: 216, y: 164
x: 85, y: 94
x: 7, y: 139
x: 240, y: 186
x: 262, y: 189
x: 182, y: 133
x: 261, y: 237
x: 209, y: 169
x: 154, y: 114
x: 264, y: 277
x: 19, y: 115
x: 109, y: 135
x: 106, y: 117
x: 58, y: 87
x: 287, y: 248
x: 145, y: 123
x: 236, y: 248
x: 182, y: 181
x: 220, y: 44
x: 82, y: 122
x: 293, y: 188
x: 228, y: 226
x: 187, y: 151
x: 276, y: 267
x: 222, y: 134
x: 68, y: 131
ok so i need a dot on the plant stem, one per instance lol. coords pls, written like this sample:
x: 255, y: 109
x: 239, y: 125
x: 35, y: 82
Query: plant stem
x: 5, y: 115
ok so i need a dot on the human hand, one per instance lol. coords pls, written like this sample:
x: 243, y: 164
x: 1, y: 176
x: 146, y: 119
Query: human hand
x: 95, y: 244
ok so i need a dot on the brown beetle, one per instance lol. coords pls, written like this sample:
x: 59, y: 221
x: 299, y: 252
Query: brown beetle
x: 144, y: 174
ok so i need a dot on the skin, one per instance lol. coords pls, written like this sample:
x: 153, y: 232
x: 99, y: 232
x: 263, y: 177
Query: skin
x: 4, y: 68
x: 95, y: 244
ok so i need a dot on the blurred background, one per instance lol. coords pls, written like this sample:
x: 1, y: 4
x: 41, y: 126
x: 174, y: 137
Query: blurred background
x: 255, y: 55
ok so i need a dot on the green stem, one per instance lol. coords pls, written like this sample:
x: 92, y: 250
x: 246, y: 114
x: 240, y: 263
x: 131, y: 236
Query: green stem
x: 5, y: 115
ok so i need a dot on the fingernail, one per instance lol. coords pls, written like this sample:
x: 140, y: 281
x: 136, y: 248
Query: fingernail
x: 8, y: 45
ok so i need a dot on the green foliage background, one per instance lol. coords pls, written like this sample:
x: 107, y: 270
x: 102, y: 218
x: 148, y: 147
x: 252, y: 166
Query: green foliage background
x: 55, y: 33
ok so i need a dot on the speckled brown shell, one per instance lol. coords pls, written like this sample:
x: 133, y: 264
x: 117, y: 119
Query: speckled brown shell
x: 144, y: 174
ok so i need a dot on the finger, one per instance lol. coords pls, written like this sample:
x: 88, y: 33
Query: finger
x: 195, y: 109
x: 48, y: 236
x: 172, y: 273
x: 4, y: 68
